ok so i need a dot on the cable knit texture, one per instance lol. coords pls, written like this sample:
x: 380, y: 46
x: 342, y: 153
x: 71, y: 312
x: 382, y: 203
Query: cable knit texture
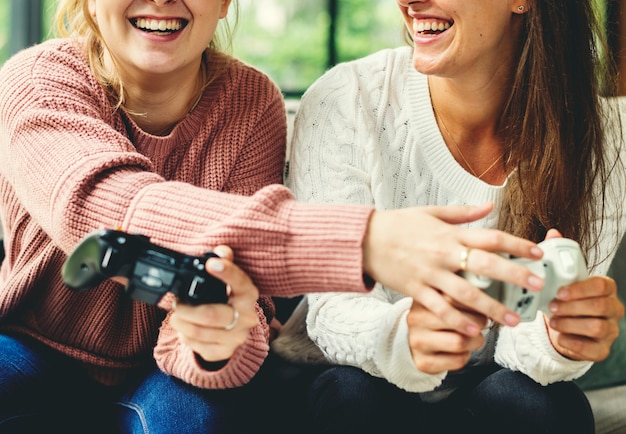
x: 365, y: 133
x: 72, y: 164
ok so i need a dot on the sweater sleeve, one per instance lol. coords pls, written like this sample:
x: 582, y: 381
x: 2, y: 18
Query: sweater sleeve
x: 369, y: 332
x: 175, y: 358
x: 527, y: 348
x: 78, y: 171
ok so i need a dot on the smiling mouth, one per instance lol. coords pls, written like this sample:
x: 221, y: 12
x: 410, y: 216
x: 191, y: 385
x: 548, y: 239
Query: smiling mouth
x: 426, y: 28
x: 163, y: 27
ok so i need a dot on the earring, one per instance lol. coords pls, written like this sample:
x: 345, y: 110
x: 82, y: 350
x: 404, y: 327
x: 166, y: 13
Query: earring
x: 520, y: 8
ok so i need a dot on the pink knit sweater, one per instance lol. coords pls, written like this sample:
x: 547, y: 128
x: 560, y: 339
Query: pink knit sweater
x: 70, y: 164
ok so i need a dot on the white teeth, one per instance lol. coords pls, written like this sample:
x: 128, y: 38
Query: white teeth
x: 158, y: 25
x: 422, y: 26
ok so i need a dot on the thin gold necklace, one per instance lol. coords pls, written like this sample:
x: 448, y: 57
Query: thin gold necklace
x: 458, y: 148
x: 168, y: 129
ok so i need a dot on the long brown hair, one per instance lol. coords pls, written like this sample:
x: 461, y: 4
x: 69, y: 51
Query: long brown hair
x: 554, y: 124
x: 73, y: 20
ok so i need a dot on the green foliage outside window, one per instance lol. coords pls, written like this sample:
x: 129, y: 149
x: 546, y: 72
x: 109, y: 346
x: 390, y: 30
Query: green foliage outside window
x: 4, y: 30
x: 285, y: 38
x: 288, y: 39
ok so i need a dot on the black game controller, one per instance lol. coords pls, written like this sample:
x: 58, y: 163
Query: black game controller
x: 151, y: 270
x: 562, y: 264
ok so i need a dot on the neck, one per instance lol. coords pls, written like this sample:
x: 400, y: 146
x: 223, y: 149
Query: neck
x: 469, y: 127
x: 160, y: 106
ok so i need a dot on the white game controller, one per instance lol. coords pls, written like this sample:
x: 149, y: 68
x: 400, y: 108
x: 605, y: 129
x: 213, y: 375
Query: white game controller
x: 562, y: 264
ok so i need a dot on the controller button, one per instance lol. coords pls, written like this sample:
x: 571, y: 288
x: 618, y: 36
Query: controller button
x: 152, y: 282
x: 152, y: 278
x: 107, y: 257
x: 194, y: 285
x: 568, y: 261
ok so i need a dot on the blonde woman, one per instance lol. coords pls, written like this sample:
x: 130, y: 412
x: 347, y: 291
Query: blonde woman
x: 136, y: 103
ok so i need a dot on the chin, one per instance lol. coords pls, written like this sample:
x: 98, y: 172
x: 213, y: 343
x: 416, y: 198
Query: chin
x: 425, y: 65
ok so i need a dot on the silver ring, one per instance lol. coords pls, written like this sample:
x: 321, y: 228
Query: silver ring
x: 464, y: 257
x: 235, y: 320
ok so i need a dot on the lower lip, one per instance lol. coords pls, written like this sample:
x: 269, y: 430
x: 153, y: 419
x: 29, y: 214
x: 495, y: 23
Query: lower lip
x: 156, y: 37
x: 428, y: 39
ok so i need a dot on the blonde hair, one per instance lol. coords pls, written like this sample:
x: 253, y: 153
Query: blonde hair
x: 73, y: 20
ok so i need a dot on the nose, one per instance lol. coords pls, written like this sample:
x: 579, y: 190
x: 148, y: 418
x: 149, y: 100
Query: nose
x: 407, y: 3
x: 163, y: 2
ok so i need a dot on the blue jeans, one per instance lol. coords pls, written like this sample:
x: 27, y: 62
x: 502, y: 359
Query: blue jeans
x: 347, y: 400
x: 43, y: 391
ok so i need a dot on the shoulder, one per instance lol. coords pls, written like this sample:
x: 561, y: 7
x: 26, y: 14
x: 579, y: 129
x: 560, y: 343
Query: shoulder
x: 52, y: 68
x: 368, y: 78
x: 54, y: 75
x: 50, y: 58
x: 250, y: 81
x: 376, y: 67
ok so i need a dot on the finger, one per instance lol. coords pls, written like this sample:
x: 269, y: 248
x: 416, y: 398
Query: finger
x: 602, y: 307
x: 487, y: 239
x: 212, y: 343
x: 215, y: 316
x: 474, y: 316
x: 598, y: 329
x: 235, y: 277
x: 578, y: 347
x: 214, y: 351
x: 553, y: 233
x: 470, y: 296
x: 224, y: 252
x: 420, y: 318
x: 467, y: 311
x: 442, y: 341
x: 438, y: 351
x: 203, y: 337
x: 437, y: 363
x: 120, y: 279
x: 452, y: 317
x: 594, y: 286
x: 499, y: 268
x: 498, y: 242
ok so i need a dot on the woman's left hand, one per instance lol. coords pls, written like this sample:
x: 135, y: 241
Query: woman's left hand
x: 215, y: 331
x: 585, y: 319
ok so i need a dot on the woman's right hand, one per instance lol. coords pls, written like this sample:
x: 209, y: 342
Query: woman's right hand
x: 419, y: 251
x: 435, y: 348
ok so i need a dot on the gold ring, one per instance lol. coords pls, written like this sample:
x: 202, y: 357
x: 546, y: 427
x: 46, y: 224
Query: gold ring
x: 235, y: 320
x: 464, y: 257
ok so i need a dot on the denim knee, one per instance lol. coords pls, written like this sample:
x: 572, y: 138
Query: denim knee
x: 163, y: 404
x: 512, y: 402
